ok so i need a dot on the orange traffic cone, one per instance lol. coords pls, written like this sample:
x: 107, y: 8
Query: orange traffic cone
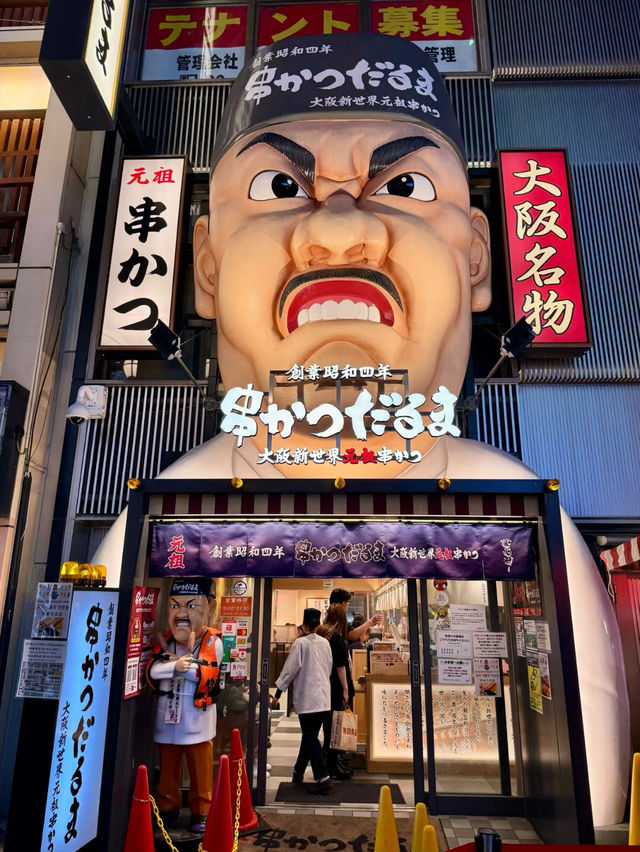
x: 248, y: 817
x: 218, y: 832
x: 140, y: 831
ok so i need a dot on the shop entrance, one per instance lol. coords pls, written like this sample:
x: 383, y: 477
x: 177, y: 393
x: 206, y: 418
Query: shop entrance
x: 452, y: 694
x: 433, y: 720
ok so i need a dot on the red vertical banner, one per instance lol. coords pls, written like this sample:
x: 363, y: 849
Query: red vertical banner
x: 544, y: 271
x: 142, y: 637
x: 279, y: 22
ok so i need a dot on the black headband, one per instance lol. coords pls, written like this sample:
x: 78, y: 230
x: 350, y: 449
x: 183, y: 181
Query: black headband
x: 347, y: 76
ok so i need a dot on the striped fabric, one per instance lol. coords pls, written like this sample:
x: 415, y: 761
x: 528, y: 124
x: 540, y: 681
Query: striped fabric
x: 276, y: 505
x: 624, y: 554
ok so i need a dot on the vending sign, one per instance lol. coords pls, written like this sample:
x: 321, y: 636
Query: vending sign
x: 297, y: 19
x: 544, y: 271
x: 444, y: 31
x: 195, y: 43
x: 143, y: 268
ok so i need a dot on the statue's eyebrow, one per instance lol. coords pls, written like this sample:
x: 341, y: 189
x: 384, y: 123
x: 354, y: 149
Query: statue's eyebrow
x: 391, y: 152
x: 301, y: 158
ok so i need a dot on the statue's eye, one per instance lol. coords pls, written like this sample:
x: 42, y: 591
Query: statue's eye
x: 409, y: 185
x: 268, y: 185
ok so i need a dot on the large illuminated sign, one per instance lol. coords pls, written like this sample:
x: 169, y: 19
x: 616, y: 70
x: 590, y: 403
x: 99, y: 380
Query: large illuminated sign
x: 81, y: 55
x: 244, y: 407
x: 545, y: 277
x: 143, y: 268
x: 73, y: 798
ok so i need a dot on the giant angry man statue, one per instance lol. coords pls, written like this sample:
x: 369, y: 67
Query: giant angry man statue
x: 340, y: 234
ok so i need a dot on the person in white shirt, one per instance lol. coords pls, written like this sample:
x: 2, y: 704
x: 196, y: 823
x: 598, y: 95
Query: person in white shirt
x: 308, y: 668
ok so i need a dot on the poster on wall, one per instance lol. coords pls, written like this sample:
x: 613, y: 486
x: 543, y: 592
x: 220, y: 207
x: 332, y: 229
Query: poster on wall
x: 489, y: 644
x: 545, y: 679
x: 141, y: 639
x: 486, y: 678
x: 144, y: 254
x: 545, y: 279
x: 454, y: 670
x: 194, y: 43
x: 51, y: 612
x: 452, y: 644
x: 468, y: 617
x: 41, y: 669
x: 283, y: 21
x: 444, y: 30
x: 535, y: 687
x: 73, y: 798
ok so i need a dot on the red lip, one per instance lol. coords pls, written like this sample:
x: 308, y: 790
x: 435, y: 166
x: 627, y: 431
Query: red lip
x: 338, y: 290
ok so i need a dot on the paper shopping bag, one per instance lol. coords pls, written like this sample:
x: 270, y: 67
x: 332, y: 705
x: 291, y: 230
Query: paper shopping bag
x: 344, y: 731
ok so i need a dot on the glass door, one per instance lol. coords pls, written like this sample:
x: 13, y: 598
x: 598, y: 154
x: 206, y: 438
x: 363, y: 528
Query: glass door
x: 465, y: 663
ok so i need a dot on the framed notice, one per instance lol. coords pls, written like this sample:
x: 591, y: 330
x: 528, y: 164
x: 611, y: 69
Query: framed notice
x: 194, y: 43
x: 544, y: 267
x: 144, y: 254
x: 390, y: 744
x: 444, y: 30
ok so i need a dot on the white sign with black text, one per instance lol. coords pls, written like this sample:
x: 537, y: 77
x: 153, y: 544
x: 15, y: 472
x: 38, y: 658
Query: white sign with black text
x: 140, y: 286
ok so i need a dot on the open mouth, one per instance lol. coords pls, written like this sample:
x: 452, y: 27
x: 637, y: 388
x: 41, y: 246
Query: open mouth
x: 339, y: 294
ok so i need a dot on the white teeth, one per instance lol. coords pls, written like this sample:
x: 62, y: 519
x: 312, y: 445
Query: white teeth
x: 361, y: 312
x: 345, y: 309
x: 329, y: 310
x: 315, y: 312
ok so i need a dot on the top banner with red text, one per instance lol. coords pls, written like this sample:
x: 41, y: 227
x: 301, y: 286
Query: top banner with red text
x: 195, y: 43
x: 544, y: 270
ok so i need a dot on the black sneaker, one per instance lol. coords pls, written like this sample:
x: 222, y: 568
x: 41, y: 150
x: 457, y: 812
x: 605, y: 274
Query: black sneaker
x: 320, y: 788
x: 297, y: 778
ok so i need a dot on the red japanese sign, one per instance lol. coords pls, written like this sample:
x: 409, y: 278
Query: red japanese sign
x: 544, y: 270
x: 278, y: 22
x: 235, y: 607
x: 141, y: 639
x: 195, y: 42
x: 444, y: 30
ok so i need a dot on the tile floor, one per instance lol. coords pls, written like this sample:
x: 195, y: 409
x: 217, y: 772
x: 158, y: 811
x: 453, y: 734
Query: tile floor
x: 285, y: 739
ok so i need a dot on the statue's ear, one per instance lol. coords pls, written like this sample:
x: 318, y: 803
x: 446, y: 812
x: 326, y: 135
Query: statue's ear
x: 480, y: 261
x: 204, y: 270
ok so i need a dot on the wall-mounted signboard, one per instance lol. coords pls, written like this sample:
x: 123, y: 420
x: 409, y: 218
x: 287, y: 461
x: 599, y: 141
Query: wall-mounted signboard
x: 144, y: 255
x: 81, y: 54
x: 444, y: 30
x: 302, y: 19
x: 194, y: 43
x: 544, y: 269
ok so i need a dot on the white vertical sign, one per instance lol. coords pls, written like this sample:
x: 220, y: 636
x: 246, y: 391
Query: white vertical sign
x: 73, y: 798
x: 103, y: 53
x: 145, y: 243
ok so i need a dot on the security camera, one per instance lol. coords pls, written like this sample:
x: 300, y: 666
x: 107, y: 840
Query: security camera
x: 90, y: 404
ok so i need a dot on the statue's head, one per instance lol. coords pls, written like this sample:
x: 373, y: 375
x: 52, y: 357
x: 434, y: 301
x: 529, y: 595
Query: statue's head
x: 340, y: 229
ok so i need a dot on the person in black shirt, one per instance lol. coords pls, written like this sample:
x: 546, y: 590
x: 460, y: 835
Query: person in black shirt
x: 335, y: 630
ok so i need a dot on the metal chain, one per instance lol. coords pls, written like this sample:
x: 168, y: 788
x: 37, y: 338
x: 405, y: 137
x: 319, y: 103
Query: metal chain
x: 156, y: 814
x: 236, y: 826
